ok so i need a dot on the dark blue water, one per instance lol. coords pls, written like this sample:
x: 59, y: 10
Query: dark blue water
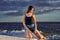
x: 46, y: 27
x: 50, y: 27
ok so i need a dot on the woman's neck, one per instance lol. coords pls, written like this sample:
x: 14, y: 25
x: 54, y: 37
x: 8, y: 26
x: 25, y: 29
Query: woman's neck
x: 29, y: 14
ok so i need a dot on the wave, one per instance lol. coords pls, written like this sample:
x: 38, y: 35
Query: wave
x: 9, y: 11
x: 43, y: 9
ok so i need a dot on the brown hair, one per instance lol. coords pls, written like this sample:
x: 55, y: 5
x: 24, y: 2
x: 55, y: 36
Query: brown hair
x: 29, y: 9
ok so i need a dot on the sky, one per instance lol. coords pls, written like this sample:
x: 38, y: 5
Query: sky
x: 45, y: 10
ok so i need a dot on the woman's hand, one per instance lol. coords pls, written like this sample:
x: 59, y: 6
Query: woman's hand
x: 27, y: 29
x: 35, y: 30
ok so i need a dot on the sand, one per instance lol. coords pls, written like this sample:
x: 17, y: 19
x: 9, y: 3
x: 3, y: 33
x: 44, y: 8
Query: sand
x: 3, y: 37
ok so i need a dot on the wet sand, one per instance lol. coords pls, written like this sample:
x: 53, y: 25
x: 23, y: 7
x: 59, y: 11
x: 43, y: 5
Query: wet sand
x: 2, y: 37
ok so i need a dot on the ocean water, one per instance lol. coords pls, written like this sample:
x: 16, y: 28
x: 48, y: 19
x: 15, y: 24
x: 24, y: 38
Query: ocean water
x: 51, y: 30
x: 50, y: 27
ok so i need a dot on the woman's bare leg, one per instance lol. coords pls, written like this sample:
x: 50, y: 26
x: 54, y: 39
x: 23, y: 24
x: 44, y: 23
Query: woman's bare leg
x: 39, y: 35
x: 28, y: 35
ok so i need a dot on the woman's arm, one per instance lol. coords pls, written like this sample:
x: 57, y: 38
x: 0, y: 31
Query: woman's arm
x: 35, y: 23
x: 23, y: 21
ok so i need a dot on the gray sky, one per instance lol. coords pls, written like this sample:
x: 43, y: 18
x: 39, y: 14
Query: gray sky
x: 46, y: 10
x: 53, y: 16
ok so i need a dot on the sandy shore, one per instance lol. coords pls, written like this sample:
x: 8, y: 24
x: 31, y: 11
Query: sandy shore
x: 3, y: 37
x: 13, y: 36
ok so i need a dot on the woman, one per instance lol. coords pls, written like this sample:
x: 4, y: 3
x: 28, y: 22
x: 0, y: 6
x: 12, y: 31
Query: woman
x: 29, y: 22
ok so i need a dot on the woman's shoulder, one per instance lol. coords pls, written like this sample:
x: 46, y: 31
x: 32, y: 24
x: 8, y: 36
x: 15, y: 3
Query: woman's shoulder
x: 33, y: 14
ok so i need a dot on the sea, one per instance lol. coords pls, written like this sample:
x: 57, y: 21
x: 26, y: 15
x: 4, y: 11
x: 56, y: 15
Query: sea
x: 51, y: 30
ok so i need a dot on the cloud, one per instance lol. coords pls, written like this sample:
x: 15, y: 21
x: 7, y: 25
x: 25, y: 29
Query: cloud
x: 53, y: 16
x: 53, y: 1
x: 49, y: 17
x: 18, y: 0
x: 9, y: 11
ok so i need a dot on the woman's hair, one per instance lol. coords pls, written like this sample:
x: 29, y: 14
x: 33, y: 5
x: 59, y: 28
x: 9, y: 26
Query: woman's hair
x: 30, y: 8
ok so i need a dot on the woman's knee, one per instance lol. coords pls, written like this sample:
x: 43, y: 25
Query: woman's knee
x: 35, y: 32
x: 29, y: 35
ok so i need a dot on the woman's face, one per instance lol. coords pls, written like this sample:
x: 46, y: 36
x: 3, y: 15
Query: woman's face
x: 32, y: 10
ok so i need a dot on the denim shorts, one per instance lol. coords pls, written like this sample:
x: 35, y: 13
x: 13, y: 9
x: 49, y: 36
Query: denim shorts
x: 31, y: 28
